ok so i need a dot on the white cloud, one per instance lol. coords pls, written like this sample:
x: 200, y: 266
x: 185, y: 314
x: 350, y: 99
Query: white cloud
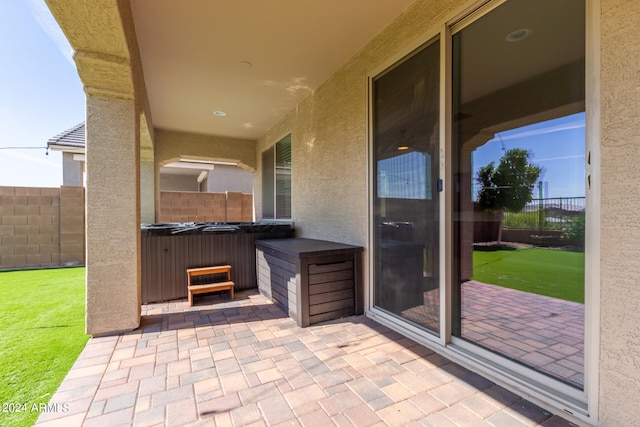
x: 576, y: 124
x: 43, y: 16
x: 577, y: 156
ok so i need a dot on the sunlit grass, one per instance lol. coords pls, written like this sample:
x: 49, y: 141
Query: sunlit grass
x: 42, y: 324
x: 554, y: 273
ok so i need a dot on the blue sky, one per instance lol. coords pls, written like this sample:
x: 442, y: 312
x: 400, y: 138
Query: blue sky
x: 40, y: 93
x: 557, y: 146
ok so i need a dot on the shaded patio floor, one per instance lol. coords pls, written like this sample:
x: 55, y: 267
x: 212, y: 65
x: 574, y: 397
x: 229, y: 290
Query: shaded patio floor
x: 243, y: 362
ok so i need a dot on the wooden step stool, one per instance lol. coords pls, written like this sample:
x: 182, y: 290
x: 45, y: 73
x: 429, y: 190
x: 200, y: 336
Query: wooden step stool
x: 209, y: 287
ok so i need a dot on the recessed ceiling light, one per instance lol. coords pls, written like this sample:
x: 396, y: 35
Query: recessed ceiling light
x: 403, y: 147
x: 219, y: 113
x: 517, y: 35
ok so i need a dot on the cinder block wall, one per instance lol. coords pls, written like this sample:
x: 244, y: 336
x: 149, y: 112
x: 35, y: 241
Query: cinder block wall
x: 41, y: 227
x: 72, y: 225
x: 187, y: 206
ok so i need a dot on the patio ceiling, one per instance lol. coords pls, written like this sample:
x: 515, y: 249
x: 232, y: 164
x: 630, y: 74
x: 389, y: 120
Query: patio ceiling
x: 255, y: 61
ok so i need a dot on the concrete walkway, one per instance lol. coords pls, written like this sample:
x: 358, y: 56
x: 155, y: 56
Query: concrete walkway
x: 243, y: 362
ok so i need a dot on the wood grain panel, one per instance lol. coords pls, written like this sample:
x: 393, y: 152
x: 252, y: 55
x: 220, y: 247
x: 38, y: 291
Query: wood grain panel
x: 332, y: 266
x: 330, y: 306
x: 323, y: 317
x: 330, y: 287
x: 332, y: 296
x: 332, y: 276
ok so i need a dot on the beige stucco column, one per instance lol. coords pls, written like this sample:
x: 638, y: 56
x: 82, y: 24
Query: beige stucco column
x: 147, y: 174
x: 619, y: 116
x: 107, y: 57
x: 147, y: 191
x: 113, y: 215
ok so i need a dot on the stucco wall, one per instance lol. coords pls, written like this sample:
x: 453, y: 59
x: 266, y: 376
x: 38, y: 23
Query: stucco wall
x: 147, y: 191
x: 171, y: 182
x: 620, y: 234
x: 329, y: 136
x: 113, y: 215
x: 229, y: 178
x: 72, y: 170
x: 222, y: 178
x: 171, y: 145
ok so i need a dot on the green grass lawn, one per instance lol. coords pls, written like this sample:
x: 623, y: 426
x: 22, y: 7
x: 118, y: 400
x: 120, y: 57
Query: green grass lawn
x: 555, y: 273
x: 42, y: 334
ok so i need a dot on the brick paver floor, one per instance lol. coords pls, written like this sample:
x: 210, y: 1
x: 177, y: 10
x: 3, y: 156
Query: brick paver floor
x: 542, y: 332
x: 243, y: 362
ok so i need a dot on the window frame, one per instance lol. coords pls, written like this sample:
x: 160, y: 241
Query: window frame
x: 270, y: 205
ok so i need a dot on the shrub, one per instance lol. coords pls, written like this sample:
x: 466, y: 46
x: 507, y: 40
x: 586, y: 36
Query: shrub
x: 576, y: 230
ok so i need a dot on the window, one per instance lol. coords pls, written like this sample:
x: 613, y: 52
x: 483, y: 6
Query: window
x: 276, y: 180
x: 407, y: 176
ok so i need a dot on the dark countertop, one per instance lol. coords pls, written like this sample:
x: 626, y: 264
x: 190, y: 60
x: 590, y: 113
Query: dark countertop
x: 300, y: 247
x: 195, y: 228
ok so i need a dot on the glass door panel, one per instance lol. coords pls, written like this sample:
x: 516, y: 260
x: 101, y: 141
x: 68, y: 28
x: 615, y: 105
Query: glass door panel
x: 519, y: 174
x: 406, y: 207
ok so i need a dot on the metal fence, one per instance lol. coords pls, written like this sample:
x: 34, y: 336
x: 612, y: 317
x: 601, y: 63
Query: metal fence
x: 558, y: 214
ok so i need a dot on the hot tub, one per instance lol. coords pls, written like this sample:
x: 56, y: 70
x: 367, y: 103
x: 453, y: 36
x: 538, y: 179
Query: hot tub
x: 169, y: 249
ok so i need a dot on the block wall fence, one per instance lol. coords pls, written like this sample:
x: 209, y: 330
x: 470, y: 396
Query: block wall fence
x: 45, y: 227
x: 185, y: 206
x: 41, y: 227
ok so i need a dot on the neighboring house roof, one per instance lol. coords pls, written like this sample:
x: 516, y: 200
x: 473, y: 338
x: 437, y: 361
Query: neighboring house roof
x: 71, y: 140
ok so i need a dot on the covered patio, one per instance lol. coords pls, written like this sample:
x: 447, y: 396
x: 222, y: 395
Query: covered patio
x: 201, y: 81
x: 244, y: 362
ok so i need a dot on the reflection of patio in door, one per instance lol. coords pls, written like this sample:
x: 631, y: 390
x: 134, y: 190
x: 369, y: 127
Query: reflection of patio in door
x: 545, y: 333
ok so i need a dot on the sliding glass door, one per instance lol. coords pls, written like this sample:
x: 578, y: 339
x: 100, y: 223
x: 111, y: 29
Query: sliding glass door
x: 406, y: 207
x: 516, y: 189
x: 518, y: 139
